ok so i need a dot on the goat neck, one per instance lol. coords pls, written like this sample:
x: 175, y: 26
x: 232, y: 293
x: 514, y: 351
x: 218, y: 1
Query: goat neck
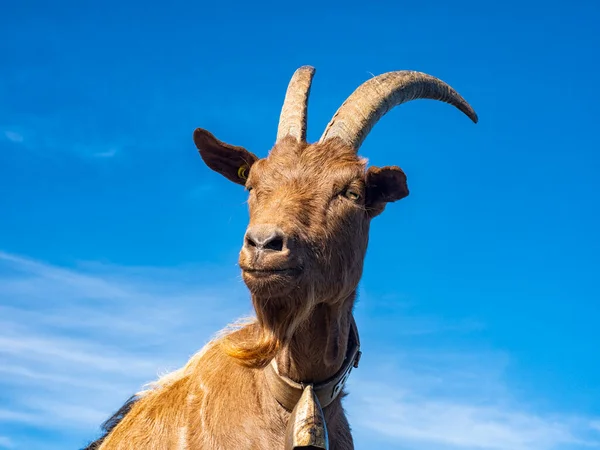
x: 316, y: 350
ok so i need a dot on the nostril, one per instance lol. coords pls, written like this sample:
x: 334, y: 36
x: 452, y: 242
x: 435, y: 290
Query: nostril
x: 250, y: 242
x: 275, y: 243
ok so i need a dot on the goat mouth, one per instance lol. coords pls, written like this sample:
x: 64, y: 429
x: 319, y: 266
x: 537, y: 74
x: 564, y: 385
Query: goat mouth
x: 270, y: 272
x: 271, y: 282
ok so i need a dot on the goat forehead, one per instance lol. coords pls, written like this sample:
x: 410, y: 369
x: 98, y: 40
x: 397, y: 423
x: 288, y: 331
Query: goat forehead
x: 325, y: 164
x: 310, y: 154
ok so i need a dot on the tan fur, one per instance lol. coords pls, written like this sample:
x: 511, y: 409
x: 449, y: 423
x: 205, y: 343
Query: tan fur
x: 213, y: 403
x: 322, y: 198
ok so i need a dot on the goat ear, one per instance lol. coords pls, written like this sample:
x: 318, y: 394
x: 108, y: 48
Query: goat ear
x: 229, y: 160
x: 384, y: 185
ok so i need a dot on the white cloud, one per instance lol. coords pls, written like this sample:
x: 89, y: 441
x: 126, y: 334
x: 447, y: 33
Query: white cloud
x: 201, y: 191
x: 75, y: 343
x: 106, y: 153
x: 95, y: 149
x: 5, y: 442
x: 415, y: 390
x: 13, y: 136
x: 455, y: 401
x: 48, y: 135
x: 461, y: 425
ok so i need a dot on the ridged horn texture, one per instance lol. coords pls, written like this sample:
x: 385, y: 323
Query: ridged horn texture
x: 375, y: 97
x: 292, y: 121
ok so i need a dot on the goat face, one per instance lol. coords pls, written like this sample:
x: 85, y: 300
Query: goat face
x: 310, y: 208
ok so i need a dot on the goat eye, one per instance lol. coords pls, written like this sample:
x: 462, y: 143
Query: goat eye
x: 352, y: 194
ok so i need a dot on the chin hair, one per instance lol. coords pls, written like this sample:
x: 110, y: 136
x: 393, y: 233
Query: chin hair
x: 255, y: 342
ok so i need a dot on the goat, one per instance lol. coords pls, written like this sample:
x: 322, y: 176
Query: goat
x: 277, y: 381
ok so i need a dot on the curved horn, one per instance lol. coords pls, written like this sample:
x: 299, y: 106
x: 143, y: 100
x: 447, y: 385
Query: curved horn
x: 292, y: 121
x: 375, y: 97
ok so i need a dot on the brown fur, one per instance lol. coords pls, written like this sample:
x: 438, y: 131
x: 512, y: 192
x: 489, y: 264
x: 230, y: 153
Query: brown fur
x: 323, y: 198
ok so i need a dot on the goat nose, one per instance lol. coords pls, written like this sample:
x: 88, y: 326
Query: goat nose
x: 263, y: 237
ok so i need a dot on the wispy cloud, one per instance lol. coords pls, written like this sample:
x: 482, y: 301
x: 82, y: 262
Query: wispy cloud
x: 5, y: 442
x: 439, y: 399
x: 201, y: 191
x: 423, y: 420
x: 420, y: 385
x: 13, y: 136
x: 76, y: 342
x: 49, y: 135
x: 109, y: 153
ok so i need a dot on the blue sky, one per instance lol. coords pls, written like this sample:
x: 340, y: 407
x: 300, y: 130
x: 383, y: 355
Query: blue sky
x: 478, y: 308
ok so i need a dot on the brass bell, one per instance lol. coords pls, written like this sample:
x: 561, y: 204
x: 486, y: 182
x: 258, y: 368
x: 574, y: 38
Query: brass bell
x: 306, y: 428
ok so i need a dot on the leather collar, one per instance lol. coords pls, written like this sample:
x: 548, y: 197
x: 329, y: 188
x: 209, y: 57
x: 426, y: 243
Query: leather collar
x: 288, y: 392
